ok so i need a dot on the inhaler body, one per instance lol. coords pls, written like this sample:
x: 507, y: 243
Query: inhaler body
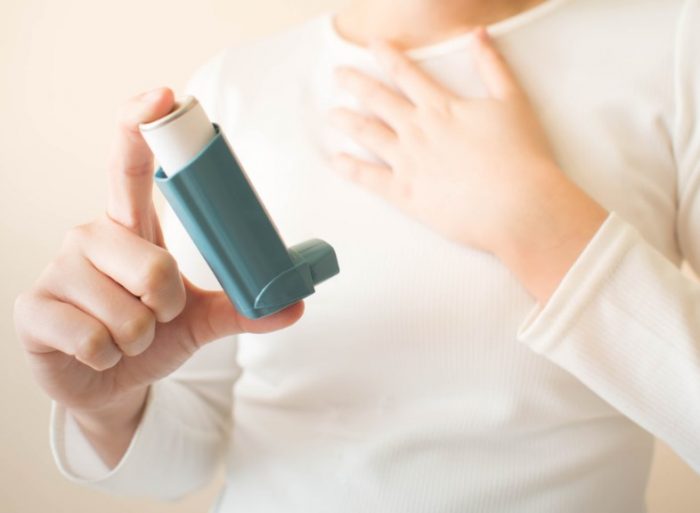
x: 210, y: 193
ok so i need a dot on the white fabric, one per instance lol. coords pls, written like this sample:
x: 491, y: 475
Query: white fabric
x: 424, y: 377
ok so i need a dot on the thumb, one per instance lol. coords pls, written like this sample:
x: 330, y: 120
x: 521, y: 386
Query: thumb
x: 213, y: 316
x: 131, y: 162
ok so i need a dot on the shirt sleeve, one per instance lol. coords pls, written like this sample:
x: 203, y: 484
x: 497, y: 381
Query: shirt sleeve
x: 179, y: 442
x: 624, y: 319
x: 186, y: 423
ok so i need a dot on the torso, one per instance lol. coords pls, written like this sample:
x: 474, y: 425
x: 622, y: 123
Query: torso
x: 403, y: 387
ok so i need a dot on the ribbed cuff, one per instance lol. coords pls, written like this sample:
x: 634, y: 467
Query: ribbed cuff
x: 81, y: 461
x: 78, y: 461
x: 546, y: 325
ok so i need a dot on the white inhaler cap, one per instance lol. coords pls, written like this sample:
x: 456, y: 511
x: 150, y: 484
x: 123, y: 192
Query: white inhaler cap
x: 177, y: 138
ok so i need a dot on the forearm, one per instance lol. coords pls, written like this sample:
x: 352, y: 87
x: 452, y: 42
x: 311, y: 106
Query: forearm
x: 624, y: 321
x: 110, y: 429
x: 541, y: 245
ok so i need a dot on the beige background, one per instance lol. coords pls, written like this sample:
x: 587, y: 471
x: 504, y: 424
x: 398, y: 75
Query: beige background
x: 65, y: 67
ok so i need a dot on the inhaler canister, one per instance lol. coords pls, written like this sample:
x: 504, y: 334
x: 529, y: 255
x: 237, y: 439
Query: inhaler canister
x: 177, y: 138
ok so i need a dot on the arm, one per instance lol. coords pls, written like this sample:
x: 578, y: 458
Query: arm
x: 179, y: 441
x: 168, y: 436
x: 613, y: 311
x: 624, y: 319
x: 121, y: 449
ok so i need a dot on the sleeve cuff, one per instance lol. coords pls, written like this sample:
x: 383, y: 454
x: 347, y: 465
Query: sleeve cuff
x: 546, y: 325
x: 78, y: 461
x: 76, y: 457
x: 174, y: 450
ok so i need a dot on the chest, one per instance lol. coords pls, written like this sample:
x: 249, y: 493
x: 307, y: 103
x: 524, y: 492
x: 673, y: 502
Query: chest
x: 406, y: 297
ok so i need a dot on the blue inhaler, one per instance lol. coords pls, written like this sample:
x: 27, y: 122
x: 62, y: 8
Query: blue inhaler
x: 210, y: 193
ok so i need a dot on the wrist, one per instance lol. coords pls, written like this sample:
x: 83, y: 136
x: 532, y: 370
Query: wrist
x: 542, y: 243
x: 110, y: 428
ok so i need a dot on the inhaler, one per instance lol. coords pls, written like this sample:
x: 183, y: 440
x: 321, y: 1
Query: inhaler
x: 208, y: 190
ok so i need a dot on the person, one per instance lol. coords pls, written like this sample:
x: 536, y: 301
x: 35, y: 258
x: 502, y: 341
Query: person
x: 510, y: 186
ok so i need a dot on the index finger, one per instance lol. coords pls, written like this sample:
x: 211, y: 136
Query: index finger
x: 131, y: 160
x: 419, y: 86
x: 497, y: 75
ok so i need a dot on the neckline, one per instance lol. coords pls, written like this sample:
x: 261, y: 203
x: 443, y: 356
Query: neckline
x: 450, y: 44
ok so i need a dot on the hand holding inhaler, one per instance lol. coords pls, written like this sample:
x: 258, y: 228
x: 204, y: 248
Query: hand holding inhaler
x: 111, y: 314
x: 210, y: 193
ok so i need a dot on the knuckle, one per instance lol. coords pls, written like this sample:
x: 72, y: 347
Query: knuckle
x: 23, y: 301
x: 440, y: 108
x: 375, y: 94
x: 378, y: 133
x: 55, y: 271
x: 24, y: 305
x: 413, y: 133
x: 75, y: 236
x: 135, y: 334
x: 94, y: 346
x: 78, y: 238
x: 159, y: 270
x: 359, y: 124
x: 28, y: 308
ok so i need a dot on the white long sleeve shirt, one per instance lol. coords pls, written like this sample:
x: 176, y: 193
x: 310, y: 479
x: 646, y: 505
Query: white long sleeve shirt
x: 424, y: 377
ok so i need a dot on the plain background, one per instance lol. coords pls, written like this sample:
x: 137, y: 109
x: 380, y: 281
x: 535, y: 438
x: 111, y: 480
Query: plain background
x: 65, y: 69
